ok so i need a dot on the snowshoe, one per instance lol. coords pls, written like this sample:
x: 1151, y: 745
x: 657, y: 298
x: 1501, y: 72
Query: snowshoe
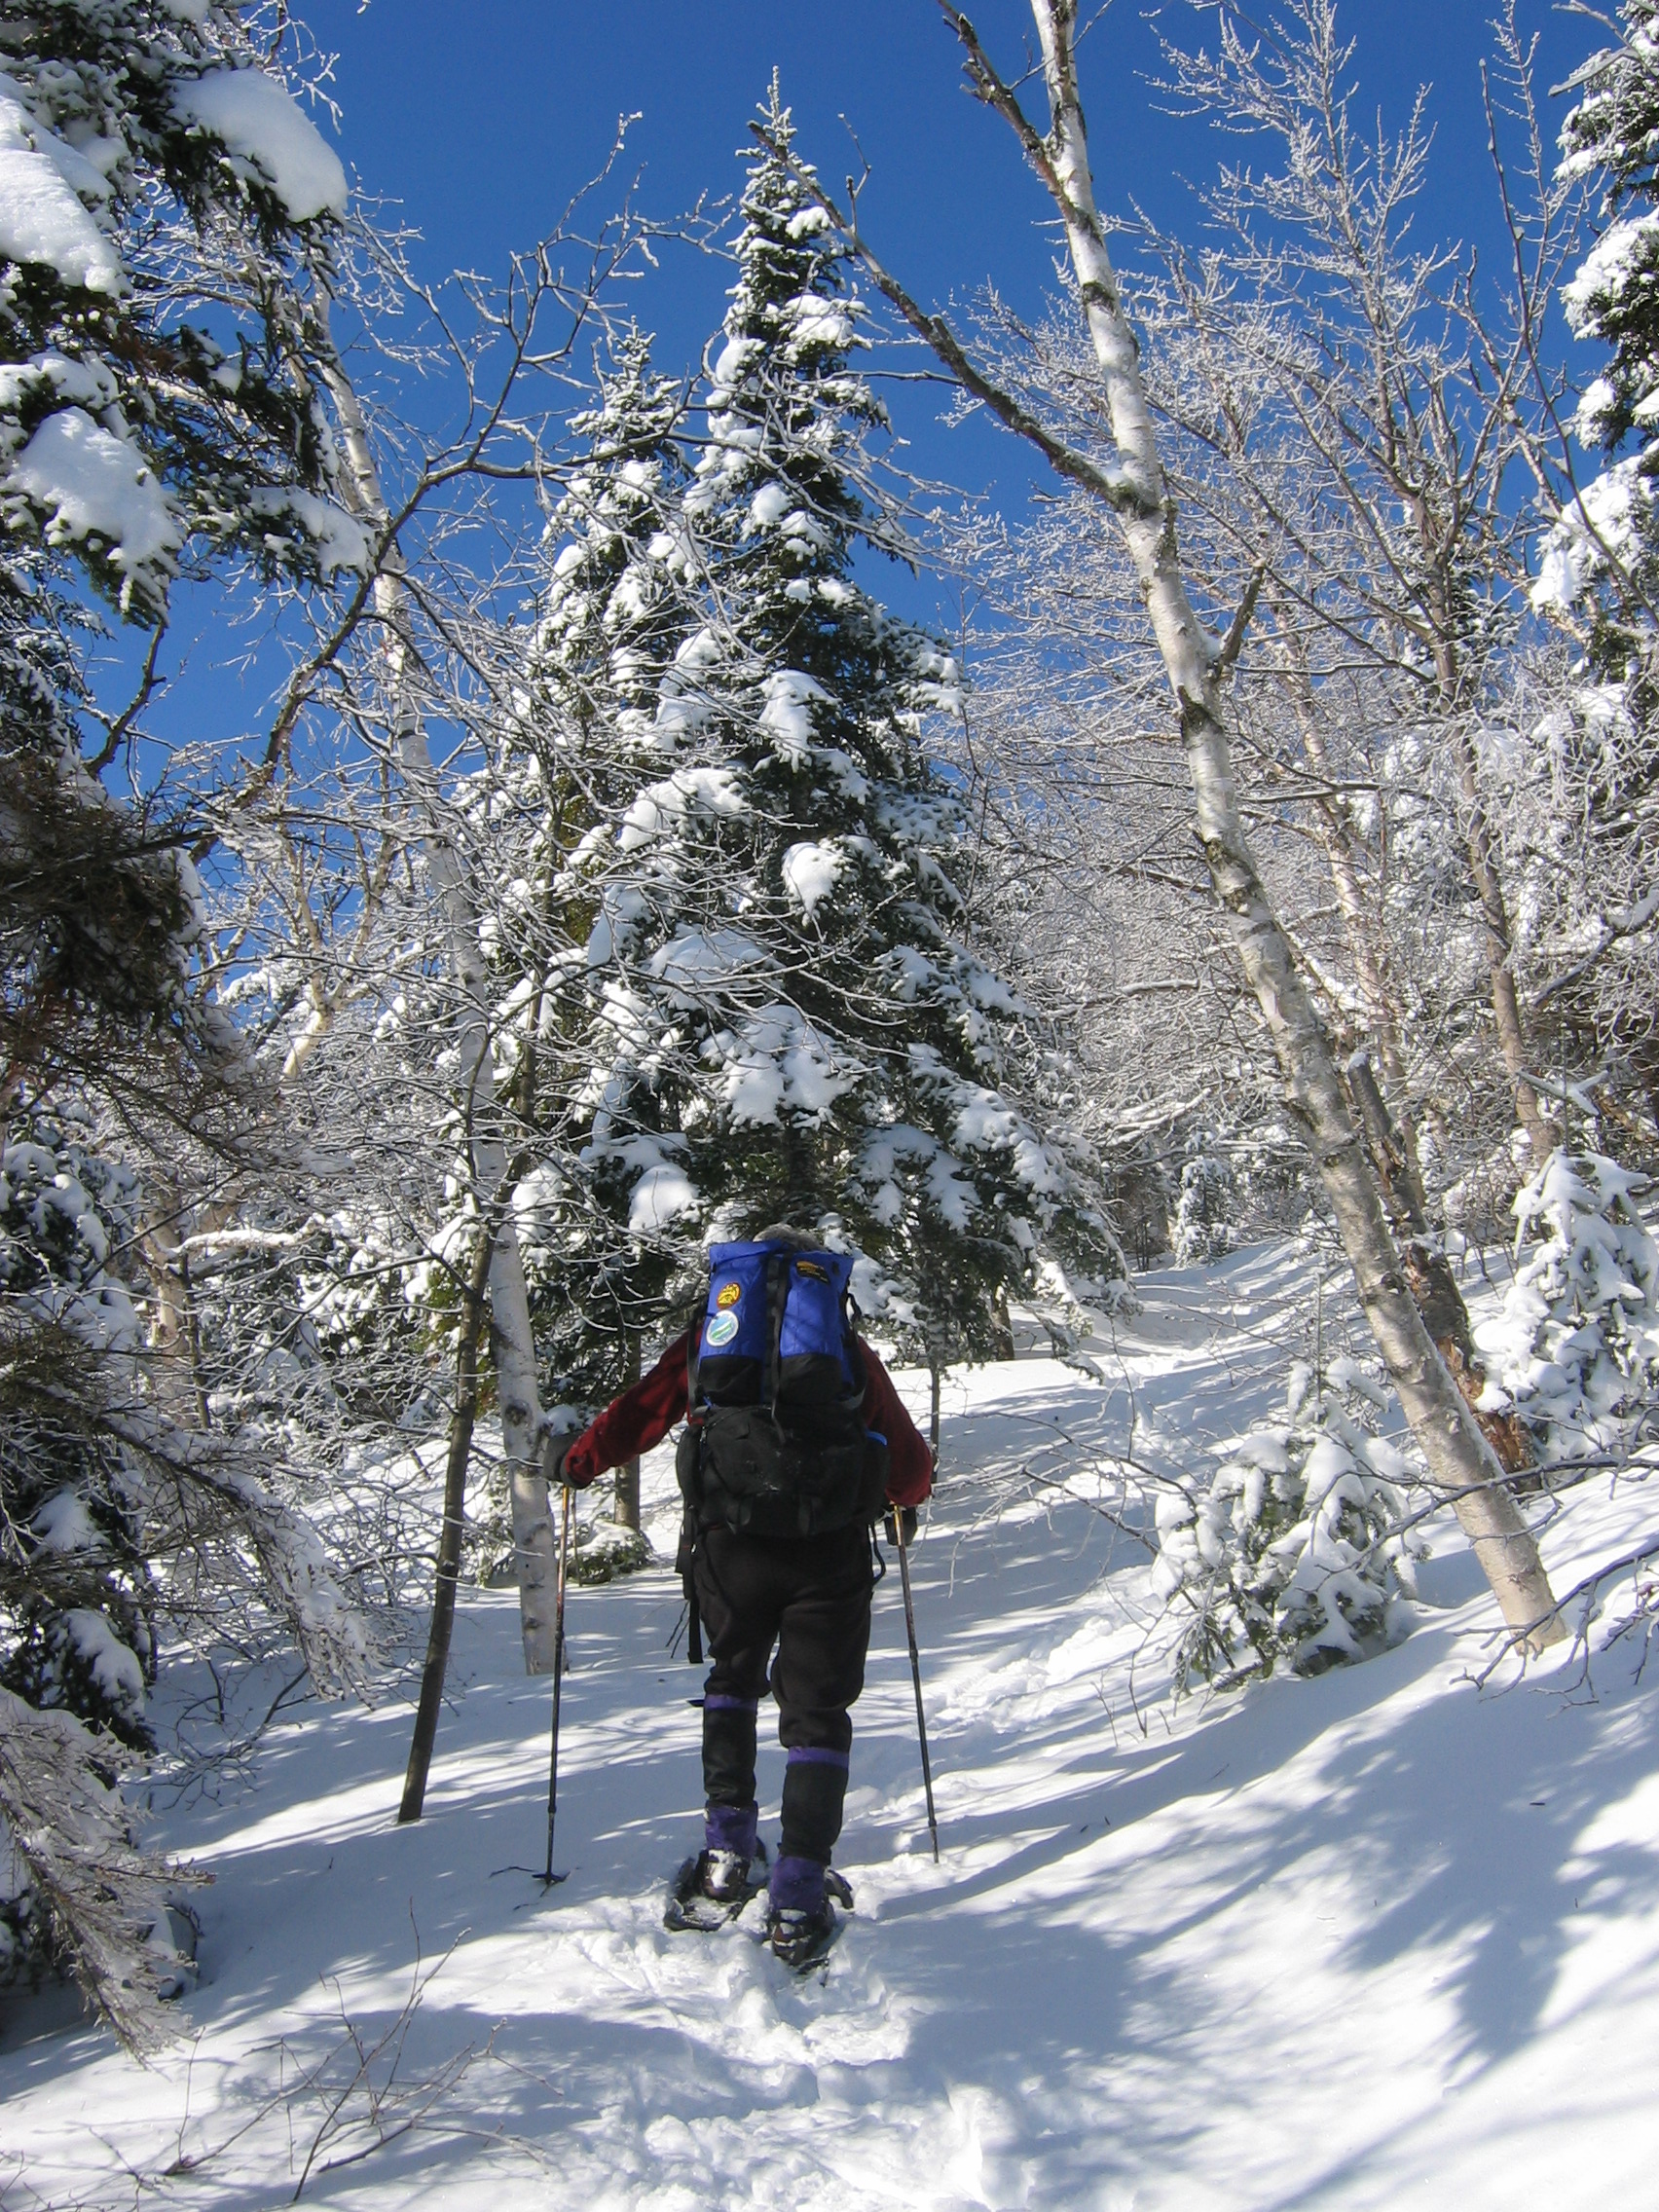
x: 803, y: 1940
x: 712, y: 1889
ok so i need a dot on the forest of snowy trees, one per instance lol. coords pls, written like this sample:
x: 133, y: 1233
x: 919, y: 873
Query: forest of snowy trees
x: 1271, y: 852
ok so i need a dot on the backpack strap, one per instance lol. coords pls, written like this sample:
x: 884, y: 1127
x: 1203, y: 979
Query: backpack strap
x: 777, y: 1298
x: 850, y: 1314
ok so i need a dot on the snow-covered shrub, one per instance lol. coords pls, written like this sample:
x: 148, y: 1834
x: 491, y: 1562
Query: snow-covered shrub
x: 1575, y: 1351
x: 1291, y: 1551
x: 601, y: 1550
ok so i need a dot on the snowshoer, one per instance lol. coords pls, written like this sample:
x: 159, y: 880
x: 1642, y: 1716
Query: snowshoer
x: 795, y: 1444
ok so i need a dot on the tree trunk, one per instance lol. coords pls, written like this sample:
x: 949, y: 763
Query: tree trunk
x: 626, y: 1511
x: 1335, y: 832
x: 1461, y: 1462
x: 933, y: 1410
x: 448, y: 1545
x: 511, y: 1340
x: 175, y: 1333
x: 1433, y: 1285
x: 1542, y: 1134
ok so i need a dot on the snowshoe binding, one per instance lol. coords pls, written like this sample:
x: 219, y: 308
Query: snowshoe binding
x: 803, y: 1940
x: 712, y: 1889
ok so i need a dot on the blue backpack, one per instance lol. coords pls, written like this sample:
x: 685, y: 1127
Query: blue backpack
x: 776, y: 1444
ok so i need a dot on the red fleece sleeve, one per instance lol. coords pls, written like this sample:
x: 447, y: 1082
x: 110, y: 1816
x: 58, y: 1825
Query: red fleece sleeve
x: 909, y: 1470
x: 633, y: 1423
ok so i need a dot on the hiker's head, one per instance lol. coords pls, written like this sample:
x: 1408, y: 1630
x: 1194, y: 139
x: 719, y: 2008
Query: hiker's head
x: 783, y: 1232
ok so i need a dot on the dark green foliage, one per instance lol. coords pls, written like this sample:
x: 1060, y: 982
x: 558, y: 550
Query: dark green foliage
x: 74, y: 1587
x: 784, y: 1006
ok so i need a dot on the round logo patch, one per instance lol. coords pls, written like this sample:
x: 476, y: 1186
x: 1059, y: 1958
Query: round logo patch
x: 720, y: 1330
x: 728, y: 1294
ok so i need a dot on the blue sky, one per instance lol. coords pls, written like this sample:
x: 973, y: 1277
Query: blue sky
x: 479, y: 117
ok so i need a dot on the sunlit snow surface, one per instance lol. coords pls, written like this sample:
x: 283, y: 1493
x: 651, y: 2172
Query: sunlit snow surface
x: 1374, y: 1940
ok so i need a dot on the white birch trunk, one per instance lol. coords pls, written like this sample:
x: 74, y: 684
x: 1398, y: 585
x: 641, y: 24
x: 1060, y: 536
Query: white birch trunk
x: 1461, y: 1462
x: 511, y: 1340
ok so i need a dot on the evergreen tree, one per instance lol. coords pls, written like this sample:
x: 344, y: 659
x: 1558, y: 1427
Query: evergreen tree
x: 585, y: 739
x: 1575, y: 1351
x: 1202, y: 1228
x: 165, y: 212
x: 1584, y: 818
x: 165, y: 206
x: 74, y: 1586
x: 1614, y: 299
x: 1293, y: 1550
x: 787, y: 1019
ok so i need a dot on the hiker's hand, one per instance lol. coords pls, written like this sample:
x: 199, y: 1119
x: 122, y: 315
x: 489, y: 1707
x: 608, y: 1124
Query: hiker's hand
x: 563, y: 1464
x: 901, y: 1524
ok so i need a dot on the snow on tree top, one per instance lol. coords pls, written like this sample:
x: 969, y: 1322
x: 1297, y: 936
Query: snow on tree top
x: 688, y: 792
x: 810, y: 871
x: 42, y: 218
x: 90, y: 483
x: 697, y: 960
x: 1608, y: 268
x: 258, y: 120
x: 777, y: 1062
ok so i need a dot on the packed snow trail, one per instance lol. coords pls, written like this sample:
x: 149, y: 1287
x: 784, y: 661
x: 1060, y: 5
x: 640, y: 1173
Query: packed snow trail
x: 1368, y: 1940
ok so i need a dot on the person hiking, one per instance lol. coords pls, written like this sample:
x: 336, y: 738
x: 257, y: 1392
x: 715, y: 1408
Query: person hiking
x: 795, y: 1442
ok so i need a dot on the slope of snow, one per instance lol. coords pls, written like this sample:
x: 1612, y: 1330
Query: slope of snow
x: 1373, y: 1939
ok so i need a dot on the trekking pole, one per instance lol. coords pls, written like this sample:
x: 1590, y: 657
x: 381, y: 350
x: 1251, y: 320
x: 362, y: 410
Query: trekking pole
x: 916, y: 1676
x: 548, y: 1878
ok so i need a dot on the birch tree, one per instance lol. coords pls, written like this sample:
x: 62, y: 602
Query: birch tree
x: 513, y: 1340
x: 1461, y: 1462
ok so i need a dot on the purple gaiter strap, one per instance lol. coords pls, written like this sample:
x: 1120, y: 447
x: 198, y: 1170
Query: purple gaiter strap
x: 719, y: 1703
x: 797, y: 1885
x: 731, y: 1827
x: 817, y: 1754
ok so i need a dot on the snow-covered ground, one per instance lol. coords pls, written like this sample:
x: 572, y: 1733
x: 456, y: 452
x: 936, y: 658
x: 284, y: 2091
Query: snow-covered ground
x: 1373, y: 1939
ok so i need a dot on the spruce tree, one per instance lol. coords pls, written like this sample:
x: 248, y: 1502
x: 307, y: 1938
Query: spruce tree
x: 610, y: 615
x: 1575, y: 1353
x: 167, y: 208
x: 165, y: 212
x: 1614, y: 299
x: 786, y: 1019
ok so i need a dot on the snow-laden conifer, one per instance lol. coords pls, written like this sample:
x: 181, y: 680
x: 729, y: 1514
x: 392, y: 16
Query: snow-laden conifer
x: 165, y: 207
x: 1293, y: 1550
x: 1575, y: 1351
x: 612, y: 613
x: 790, y: 1018
x: 1613, y: 300
x: 117, y: 1521
x: 76, y: 1606
x: 1202, y: 1226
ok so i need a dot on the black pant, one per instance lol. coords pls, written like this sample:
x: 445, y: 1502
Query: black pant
x: 810, y: 1596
